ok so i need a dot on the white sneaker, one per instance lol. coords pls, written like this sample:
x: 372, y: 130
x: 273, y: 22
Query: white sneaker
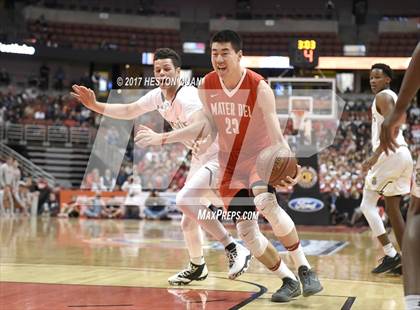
x: 192, y: 273
x: 239, y: 259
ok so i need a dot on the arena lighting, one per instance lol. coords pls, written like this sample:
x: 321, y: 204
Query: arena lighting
x: 354, y: 50
x: 15, y: 48
x: 194, y: 47
x: 280, y: 62
x: 147, y: 58
x: 362, y: 63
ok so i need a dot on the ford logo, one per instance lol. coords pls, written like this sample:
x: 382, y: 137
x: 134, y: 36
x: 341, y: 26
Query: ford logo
x: 305, y: 204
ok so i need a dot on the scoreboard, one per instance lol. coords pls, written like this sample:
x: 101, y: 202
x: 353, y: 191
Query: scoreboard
x: 303, y: 53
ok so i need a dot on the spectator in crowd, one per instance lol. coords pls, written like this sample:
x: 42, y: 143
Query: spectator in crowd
x: 51, y: 206
x: 95, y: 207
x: 113, y: 209
x: 107, y: 182
x: 4, y: 77
x: 44, y: 193
x: 122, y: 176
x: 22, y: 197
x: 156, y: 207
x: 7, y: 179
x: 71, y: 209
x: 112, y: 136
x: 93, y: 180
x: 133, y: 201
x: 44, y: 77
x: 59, y: 77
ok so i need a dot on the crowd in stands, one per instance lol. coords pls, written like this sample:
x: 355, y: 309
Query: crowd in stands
x: 340, y: 172
x: 31, y: 107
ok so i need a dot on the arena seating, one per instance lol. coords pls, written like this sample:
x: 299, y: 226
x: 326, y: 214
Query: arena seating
x: 90, y: 36
x: 393, y: 44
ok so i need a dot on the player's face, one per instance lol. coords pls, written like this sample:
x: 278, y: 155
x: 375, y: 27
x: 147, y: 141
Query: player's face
x: 378, y: 80
x: 224, y: 58
x: 166, y: 73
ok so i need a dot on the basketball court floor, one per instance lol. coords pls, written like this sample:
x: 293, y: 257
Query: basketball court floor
x: 49, y: 263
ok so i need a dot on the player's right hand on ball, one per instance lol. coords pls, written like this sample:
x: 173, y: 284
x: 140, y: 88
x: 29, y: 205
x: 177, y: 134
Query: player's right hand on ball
x: 85, y: 95
x: 289, y: 181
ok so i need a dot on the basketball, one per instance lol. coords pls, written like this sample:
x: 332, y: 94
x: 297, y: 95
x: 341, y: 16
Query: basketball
x: 275, y: 163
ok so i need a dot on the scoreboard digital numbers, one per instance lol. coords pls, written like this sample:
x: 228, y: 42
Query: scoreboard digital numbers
x: 304, y: 53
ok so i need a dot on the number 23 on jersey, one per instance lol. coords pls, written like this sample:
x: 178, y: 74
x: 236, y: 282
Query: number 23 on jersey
x: 232, y: 126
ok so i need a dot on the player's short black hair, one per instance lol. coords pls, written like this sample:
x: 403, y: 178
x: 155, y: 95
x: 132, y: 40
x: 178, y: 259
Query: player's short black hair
x: 164, y: 53
x: 385, y: 69
x: 228, y: 36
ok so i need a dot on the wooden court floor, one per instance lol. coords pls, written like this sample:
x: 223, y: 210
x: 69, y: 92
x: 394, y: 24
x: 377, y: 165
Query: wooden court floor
x: 49, y: 263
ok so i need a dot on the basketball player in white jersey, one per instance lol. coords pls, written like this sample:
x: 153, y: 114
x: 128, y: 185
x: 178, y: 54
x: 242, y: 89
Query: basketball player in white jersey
x: 411, y: 240
x: 179, y: 105
x: 389, y: 174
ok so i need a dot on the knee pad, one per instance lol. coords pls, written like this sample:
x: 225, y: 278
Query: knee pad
x: 280, y: 221
x: 254, y: 240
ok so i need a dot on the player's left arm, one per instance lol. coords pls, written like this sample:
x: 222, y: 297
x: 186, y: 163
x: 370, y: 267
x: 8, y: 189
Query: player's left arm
x: 267, y: 103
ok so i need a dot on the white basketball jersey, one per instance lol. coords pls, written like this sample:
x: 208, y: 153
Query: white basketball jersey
x: 177, y: 112
x: 378, y: 119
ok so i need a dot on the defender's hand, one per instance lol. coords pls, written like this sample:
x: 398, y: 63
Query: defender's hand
x: 85, y: 95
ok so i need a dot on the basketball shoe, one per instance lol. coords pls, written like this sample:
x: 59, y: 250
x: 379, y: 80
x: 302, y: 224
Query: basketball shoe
x: 239, y: 259
x: 309, y: 280
x: 289, y: 289
x: 387, y: 263
x: 192, y: 273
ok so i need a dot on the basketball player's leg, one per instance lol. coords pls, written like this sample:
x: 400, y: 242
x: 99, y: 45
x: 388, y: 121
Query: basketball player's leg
x: 396, y: 175
x: 368, y: 207
x: 197, y: 269
x: 392, y: 208
x: 399, y: 169
x: 262, y: 249
x: 189, y: 201
x: 285, y: 230
x: 411, y: 244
